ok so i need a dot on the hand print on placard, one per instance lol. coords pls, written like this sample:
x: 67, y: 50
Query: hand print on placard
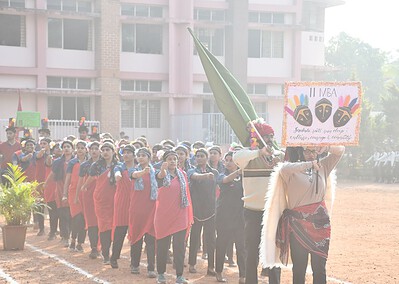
x: 345, y: 111
x: 301, y: 113
x: 323, y: 109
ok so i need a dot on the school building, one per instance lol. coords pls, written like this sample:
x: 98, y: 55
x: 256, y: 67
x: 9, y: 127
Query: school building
x: 132, y: 65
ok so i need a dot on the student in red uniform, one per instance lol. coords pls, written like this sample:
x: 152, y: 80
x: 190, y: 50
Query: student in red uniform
x: 103, y: 172
x: 43, y: 163
x: 183, y: 161
x: 8, y: 148
x: 49, y: 192
x: 173, y: 215
x: 141, y: 212
x: 25, y: 158
x: 71, y: 182
x: 58, y: 173
x: 121, y: 202
x: 87, y: 199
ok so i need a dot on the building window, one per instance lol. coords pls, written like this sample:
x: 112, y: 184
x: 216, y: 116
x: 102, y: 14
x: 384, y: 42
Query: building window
x: 12, y: 30
x: 70, y: 34
x: 68, y: 108
x: 206, y: 88
x: 266, y: 44
x: 210, y: 106
x: 257, y: 89
x: 209, y: 15
x: 142, y: 38
x: 213, y: 39
x: 261, y: 109
x: 141, y: 86
x: 141, y: 10
x: 141, y: 113
x: 69, y: 83
x: 12, y: 3
x: 266, y: 18
x: 70, y: 5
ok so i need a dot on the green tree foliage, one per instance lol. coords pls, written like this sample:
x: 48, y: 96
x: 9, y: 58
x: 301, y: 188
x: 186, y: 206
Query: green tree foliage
x: 350, y: 57
x: 354, y: 60
x: 390, y: 105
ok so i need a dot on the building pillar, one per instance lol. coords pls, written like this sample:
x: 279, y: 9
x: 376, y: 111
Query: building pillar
x: 107, y: 50
x: 237, y: 37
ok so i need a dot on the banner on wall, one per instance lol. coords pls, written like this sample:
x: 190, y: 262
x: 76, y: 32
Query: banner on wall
x: 321, y: 113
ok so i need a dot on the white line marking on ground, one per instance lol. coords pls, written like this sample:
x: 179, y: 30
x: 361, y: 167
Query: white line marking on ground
x: 66, y: 263
x: 7, y: 277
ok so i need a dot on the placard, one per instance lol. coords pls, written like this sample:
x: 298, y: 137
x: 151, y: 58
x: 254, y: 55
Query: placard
x: 28, y: 119
x: 321, y: 113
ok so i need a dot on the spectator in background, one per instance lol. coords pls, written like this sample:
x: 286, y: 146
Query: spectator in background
x: 8, y: 148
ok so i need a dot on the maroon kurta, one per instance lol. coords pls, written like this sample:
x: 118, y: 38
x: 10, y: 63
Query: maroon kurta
x: 88, y: 205
x: 104, y: 202
x: 141, y: 212
x: 41, y: 170
x: 49, y: 190
x: 75, y: 208
x: 122, y: 200
x: 170, y: 217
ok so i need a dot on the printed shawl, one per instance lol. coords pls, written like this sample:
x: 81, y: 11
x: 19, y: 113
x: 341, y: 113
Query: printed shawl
x: 310, y: 225
x: 166, y: 183
x: 139, y: 184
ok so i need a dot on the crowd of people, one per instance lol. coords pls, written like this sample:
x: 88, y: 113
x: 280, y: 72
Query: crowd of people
x: 176, y: 196
x: 385, y: 165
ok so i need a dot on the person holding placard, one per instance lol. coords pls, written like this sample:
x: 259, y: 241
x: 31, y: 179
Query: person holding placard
x: 299, y: 188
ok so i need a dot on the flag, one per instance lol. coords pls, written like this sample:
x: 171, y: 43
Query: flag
x: 230, y: 97
x: 19, y: 102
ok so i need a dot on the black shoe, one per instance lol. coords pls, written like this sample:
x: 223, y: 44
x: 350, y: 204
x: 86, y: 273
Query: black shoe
x: 220, y: 278
x: 211, y: 272
x: 79, y: 248
x: 72, y: 246
x: 134, y: 269
x: 114, y: 263
x: 93, y: 254
x: 106, y: 260
x: 51, y: 237
x: 40, y: 233
x: 265, y: 272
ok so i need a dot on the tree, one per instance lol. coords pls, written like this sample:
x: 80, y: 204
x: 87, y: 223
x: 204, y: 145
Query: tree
x: 390, y: 105
x: 350, y: 57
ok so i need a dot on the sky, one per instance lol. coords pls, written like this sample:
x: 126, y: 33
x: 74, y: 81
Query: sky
x: 375, y: 22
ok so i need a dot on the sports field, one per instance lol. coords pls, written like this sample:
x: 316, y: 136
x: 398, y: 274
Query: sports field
x: 364, y: 248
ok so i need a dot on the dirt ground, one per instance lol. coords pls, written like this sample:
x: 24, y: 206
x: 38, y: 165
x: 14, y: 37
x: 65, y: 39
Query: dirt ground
x: 364, y: 248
